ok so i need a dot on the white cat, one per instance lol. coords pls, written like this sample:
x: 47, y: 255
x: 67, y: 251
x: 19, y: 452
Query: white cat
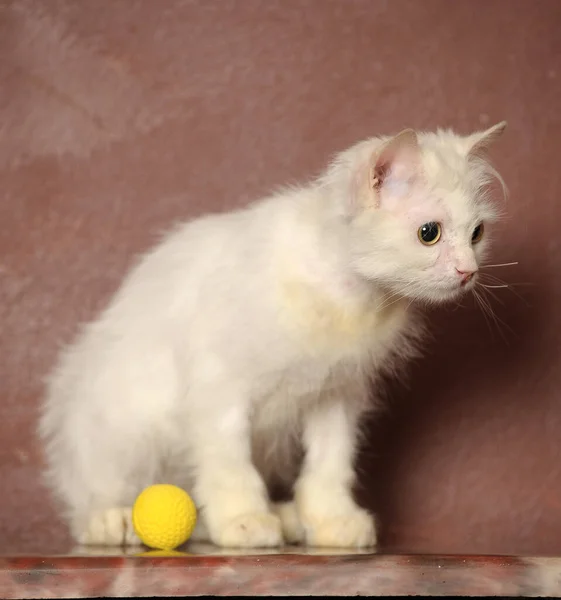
x: 241, y: 351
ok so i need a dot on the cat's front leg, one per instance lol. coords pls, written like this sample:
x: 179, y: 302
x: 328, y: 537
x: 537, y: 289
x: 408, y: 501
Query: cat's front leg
x: 323, y: 493
x: 233, y: 497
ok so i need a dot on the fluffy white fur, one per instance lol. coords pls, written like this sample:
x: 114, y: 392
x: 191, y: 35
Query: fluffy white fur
x: 241, y: 350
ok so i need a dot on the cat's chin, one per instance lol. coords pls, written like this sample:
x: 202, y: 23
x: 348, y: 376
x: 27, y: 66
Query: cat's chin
x: 446, y: 296
x: 428, y: 293
x: 439, y: 295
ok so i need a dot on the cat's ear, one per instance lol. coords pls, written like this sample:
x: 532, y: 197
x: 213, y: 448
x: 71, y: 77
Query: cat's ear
x: 477, y: 143
x: 398, y: 158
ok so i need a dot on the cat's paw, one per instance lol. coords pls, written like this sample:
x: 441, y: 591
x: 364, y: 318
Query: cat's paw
x: 110, y: 527
x: 254, y: 530
x: 353, y: 529
x: 292, y: 529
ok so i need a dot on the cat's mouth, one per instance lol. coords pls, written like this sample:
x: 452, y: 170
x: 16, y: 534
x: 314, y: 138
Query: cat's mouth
x: 465, y: 284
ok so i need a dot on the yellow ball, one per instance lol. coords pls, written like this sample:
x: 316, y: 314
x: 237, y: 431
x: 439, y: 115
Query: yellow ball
x: 164, y: 516
x: 162, y: 553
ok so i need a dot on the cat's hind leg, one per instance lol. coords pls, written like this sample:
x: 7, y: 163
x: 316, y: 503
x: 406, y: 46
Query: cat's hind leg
x: 96, y: 474
x: 108, y: 527
x: 99, y: 511
x: 105, y: 427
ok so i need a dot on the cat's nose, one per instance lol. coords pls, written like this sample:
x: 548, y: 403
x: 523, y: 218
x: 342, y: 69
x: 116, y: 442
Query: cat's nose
x: 465, y: 275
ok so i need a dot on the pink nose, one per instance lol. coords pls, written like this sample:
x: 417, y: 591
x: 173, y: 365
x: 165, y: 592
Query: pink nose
x: 465, y: 275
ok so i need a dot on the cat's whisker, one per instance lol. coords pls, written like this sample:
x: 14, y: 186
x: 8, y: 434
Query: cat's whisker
x: 457, y: 305
x: 493, y: 294
x: 509, y: 264
x: 487, y: 309
x: 386, y: 301
x: 496, y: 279
x: 512, y: 285
x: 483, y: 303
x: 492, y: 278
x: 482, y: 306
x: 496, y: 283
x: 483, y: 311
x: 497, y: 320
x: 395, y: 296
x: 394, y: 299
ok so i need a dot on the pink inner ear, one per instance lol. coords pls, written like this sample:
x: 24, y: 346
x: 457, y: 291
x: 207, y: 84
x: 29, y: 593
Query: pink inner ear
x: 382, y: 168
x: 399, y: 156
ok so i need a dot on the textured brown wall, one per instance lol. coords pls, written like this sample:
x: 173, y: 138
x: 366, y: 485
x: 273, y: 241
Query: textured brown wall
x: 118, y: 117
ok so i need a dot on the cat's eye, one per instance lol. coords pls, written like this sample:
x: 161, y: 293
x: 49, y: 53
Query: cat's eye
x: 477, y: 233
x: 429, y: 233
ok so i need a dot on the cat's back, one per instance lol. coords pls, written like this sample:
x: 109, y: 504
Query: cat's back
x: 199, y: 266
x: 195, y: 258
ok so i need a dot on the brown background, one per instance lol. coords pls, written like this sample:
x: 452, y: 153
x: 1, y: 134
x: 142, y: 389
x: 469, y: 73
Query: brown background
x: 118, y: 117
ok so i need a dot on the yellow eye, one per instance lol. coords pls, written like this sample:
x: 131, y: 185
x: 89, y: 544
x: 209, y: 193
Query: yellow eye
x: 477, y: 233
x: 429, y: 233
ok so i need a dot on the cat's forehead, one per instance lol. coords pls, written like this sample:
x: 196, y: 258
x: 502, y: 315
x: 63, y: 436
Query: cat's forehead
x: 459, y: 204
x: 446, y: 168
x: 451, y: 196
x: 454, y: 180
x: 447, y: 206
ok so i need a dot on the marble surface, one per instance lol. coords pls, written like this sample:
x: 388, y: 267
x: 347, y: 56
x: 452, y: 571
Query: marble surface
x: 206, y: 570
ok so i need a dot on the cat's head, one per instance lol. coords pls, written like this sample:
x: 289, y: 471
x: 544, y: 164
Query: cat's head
x: 419, y: 212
